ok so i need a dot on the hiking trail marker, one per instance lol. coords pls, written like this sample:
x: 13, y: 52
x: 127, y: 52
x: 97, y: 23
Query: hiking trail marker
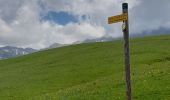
x: 118, y: 18
x: 125, y: 27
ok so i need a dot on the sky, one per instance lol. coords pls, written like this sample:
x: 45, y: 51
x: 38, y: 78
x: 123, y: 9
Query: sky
x: 40, y: 23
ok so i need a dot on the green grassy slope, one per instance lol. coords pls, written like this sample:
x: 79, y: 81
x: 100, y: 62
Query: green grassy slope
x: 92, y: 71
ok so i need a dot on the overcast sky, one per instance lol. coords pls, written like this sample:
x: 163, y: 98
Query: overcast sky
x: 40, y: 23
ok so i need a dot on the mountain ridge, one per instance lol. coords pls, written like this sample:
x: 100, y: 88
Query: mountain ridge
x: 10, y: 51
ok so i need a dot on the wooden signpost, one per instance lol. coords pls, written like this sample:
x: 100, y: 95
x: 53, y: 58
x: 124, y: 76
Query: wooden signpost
x: 125, y: 27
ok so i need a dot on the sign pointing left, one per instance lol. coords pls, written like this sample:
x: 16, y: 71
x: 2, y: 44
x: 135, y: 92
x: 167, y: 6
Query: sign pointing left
x: 118, y: 18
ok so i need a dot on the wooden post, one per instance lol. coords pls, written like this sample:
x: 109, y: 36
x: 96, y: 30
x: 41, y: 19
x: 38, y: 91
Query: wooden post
x: 119, y: 18
x: 126, y: 53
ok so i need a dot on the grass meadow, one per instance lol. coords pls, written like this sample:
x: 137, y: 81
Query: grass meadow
x: 90, y: 71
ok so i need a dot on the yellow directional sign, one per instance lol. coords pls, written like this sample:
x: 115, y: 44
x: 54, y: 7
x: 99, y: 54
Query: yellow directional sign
x: 118, y: 18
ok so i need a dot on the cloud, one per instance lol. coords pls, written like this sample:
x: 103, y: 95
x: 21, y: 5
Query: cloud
x: 26, y: 29
x: 22, y: 21
x: 150, y: 15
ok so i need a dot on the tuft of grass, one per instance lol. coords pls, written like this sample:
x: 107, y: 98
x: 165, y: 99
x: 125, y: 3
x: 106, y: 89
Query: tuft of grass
x: 92, y: 71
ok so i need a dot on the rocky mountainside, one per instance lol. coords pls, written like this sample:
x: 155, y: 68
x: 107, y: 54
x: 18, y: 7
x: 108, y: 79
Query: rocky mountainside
x: 8, y: 51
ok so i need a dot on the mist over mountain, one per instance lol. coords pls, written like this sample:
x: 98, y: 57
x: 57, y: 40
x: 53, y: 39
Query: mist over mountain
x: 9, y: 51
x: 57, y: 45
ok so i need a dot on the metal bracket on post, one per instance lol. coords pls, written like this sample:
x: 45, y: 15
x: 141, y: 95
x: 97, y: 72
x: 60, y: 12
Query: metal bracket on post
x: 123, y: 27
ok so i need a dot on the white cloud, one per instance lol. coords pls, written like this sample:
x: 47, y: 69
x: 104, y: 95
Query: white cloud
x: 26, y: 29
x: 22, y: 26
x: 150, y: 15
x: 69, y: 33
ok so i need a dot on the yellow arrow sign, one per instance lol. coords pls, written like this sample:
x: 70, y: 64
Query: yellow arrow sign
x: 118, y: 18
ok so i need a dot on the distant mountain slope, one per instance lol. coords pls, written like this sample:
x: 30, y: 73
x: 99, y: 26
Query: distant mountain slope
x: 57, y: 45
x: 102, y: 39
x: 8, y: 51
x: 89, y: 71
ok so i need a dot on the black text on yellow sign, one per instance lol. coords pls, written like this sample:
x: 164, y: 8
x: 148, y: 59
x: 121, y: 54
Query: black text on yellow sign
x: 118, y: 18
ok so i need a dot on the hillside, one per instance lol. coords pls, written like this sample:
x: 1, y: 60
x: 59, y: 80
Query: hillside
x: 92, y: 71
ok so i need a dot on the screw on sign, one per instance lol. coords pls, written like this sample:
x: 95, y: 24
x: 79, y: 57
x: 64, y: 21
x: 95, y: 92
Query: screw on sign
x: 125, y: 27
